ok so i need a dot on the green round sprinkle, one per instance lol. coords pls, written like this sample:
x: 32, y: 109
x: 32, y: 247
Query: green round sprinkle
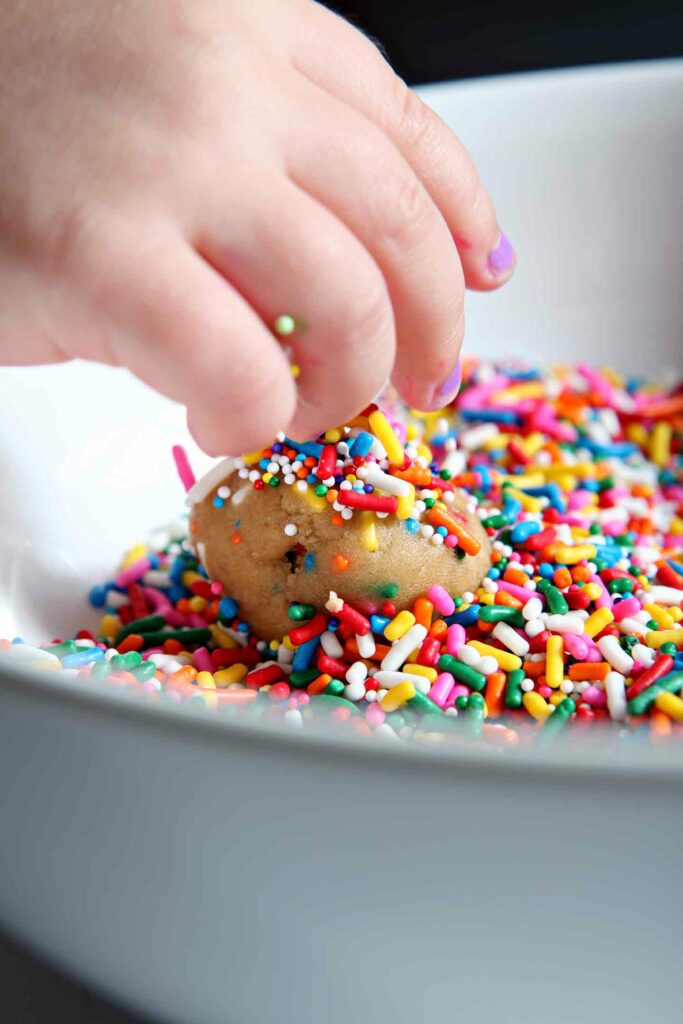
x: 300, y: 612
x: 445, y: 474
x: 669, y: 648
x: 462, y: 701
x: 303, y: 677
x: 388, y: 590
x: 320, y: 490
x: 429, y: 502
x: 284, y: 325
x: 274, y: 481
x: 652, y: 624
x: 594, y: 528
x: 334, y: 688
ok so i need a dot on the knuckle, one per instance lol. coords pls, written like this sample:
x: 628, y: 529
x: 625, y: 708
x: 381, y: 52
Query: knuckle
x: 369, y: 315
x: 410, y: 218
x: 413, y: 119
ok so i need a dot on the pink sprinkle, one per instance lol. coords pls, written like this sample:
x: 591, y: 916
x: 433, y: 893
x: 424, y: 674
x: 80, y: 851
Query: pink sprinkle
x: 133, y: 572
x: 575, y: 645
x: 441, y: 599
x: 625, y: 609
x: 459, y: 690
x: 594, y: 696
x: 202, y: 660
x: 451, y: 541
x: 374, y: 715
x: 521, y: 593
x: 441, y: 688
x: 455, y: 638
x: 182, y: 464
x: 605, y: 600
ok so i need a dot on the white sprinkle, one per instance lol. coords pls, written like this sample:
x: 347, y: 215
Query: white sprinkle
x: 330, y: 644
x: 293, y: 717
x: 613, y: 653
x: 532, y: 609
x: 569, y: 623
x: 663, y: 595
x: 291, y: 529
x: 511, y: 639
x: 615, y: 689
x: 357, y: 673
x: 366, y: 645
x: 404, y: 646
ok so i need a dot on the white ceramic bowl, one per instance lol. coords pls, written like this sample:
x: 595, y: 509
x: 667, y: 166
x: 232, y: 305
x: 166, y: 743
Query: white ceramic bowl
x: 212, y: 872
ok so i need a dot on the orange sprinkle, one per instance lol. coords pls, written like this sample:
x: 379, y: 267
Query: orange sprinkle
x: 186, y: 674
x: 534, y: 669
x: 337, y: 521
x: 493, y: 695
x: 351, y: 650
x: 516, y: 576
x: 245, y: 696
x: 172, y: 647
x: 417, y: 475
x: 660, y: 724
x: 331, y: 496
x: 580, y: 574
x: 502, y: 597
x: 438, y: 629
x: 423, y: 609
x: 236, y: 538
x: 340, y: 563
x: 562, y: 578
x: 583, y: 671
x: 442, y: 517
x: 319, y: 685
x: 499, y: 734
x: 133, y: 642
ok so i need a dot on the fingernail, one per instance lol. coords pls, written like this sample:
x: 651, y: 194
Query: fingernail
x: 502, y: 258
x: 447, y: 391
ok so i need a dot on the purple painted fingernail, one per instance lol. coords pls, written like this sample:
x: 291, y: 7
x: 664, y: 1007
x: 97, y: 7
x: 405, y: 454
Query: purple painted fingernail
x: 447, y: 391
x: 502, y: 257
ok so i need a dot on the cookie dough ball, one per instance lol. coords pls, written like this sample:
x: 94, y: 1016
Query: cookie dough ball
x: 270, y: 547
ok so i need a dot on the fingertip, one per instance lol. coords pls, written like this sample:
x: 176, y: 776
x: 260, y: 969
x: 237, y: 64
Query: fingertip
x: 221, y: 429
x: 489, y: 271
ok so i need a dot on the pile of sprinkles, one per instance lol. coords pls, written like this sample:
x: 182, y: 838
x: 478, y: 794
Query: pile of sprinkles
x: 577, y: 475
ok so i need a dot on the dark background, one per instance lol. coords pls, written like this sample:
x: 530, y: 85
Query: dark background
x: 429, y: 40
x: 425, y: 41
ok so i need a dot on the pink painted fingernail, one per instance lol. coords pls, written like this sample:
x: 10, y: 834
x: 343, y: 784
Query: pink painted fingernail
x: 502, y: 258
x: 447, y: 391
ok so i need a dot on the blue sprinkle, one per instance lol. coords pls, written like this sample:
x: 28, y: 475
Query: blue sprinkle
x: 465, y: 618
x: 218, y: 502
x: 511, y: 508
x: 97, y: 596
x: 546, y: 570
x: 676, y: 566
x: 493, y: 573
x: 361, y: 445
x: 264, y: 463
x: 491, y: 415
x: 378, y: 623
x: 242, y: 627
x: 522, y: 531
x: 176, y: 593
x: 309, y: 562
x: 20, y: 640
x: 411, y: 525
x: 86, y: 657
x: 333, y: 624
x: 442, y: 530
x: 228, y: 608
x: 308, y: 448
x: 303, y: 655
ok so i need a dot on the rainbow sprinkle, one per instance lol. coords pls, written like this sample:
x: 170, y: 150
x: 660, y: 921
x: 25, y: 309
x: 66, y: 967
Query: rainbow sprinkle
x: 578, y: 478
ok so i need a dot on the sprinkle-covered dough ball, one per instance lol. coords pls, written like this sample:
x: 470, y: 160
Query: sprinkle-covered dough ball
x: 270, y: 547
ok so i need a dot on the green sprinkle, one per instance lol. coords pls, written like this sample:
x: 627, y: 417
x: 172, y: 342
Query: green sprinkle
x: 284, y: 325
x: 495, y: 522
x: 303, y: 677
x: 513, y: 689
x: 101, y: 669
x: 556, y: 601
x: 274, y: 481
x: 145, y: 670
x: 189, y: 637
x: 501, y: 613
x: 644, y: 701
x: 61, y: 650
x: 467, y: 675
x: 126, y: 661
x: 331, y: 701
x: 144, y: 625
x: 388, y: 590
x: 300, y: 612
x: 320, y: 490
x: 669, y: 648
x: 422, y: 703
x: 335, y: 688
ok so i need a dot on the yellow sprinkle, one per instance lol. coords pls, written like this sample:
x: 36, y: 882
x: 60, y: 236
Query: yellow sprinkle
x: 676, y: 614
x: 233, y: 674
x: 368, y: 533
x: 312, y: 499
x: 528, y: 503
x: 507, y: 396
x: 424, y: 452
x: 660, y: 446
x: 206, y: 680
x: 295, y: 370
x: 671, y: 705
x: 579, y: 533
x: 189, y: 577
x: 664, y: 636
x: 412, y: 432
x: 566, y: 481
x: 554, y: 661
x: 485, y: 597
x: 533, y: 443
x: 333, y: 436
x: 385, y: 433
x: 576, y: 469
x: 536, y: 706
x: 596, y: 622
x: 637, y: 433
x: 535, y: 479
x: 676, y: 527
x: 507, y: 661
x: 556, y: 698
x: 134, y: 555
x: 397, y: 696
x: 274, y: 645
x: 222, y: 639
x: 660, y: 615
x: 570, y: 556
x: 197, y: 604
x: 593, y: 591
x: 423, y: 670
x: 406, y: 504
x: 287, y: 644
x: 251, y: 458
x: 399, y: 625
x: 110, y: 626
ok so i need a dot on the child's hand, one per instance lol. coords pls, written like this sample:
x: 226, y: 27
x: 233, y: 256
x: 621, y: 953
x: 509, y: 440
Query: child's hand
x: 174, y: 174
